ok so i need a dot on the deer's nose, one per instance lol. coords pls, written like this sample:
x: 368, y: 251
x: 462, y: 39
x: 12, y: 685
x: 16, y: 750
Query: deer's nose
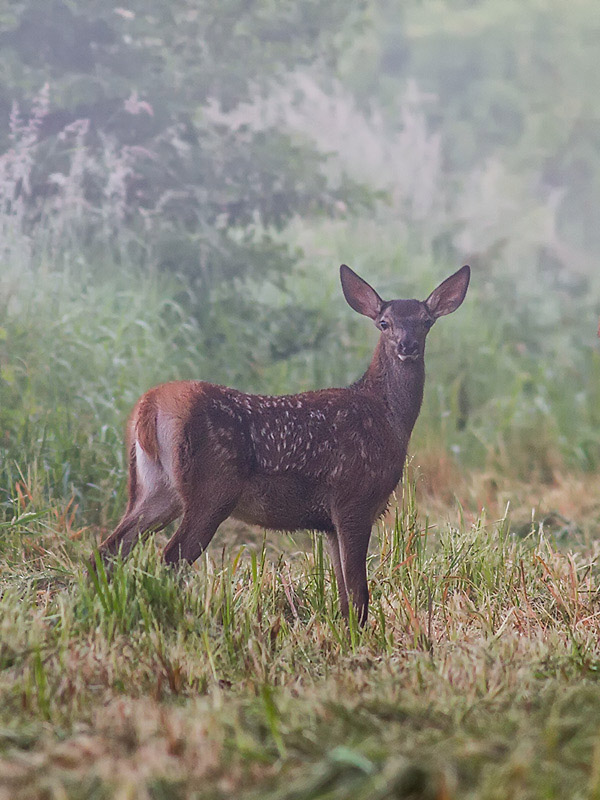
x: 408, y: 347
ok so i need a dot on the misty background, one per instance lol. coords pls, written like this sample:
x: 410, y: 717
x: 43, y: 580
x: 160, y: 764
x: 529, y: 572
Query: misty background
x: 180, y: 181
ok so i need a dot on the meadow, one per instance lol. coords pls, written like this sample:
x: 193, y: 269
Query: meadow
x: 477, y: 673
x: 179, y: 183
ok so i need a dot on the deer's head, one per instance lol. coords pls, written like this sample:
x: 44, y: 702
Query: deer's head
x: 404, y: 324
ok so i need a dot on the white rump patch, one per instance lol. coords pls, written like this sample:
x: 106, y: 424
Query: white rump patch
x: 157, y: 476
x: 151, y: 475
x: 158, y: 500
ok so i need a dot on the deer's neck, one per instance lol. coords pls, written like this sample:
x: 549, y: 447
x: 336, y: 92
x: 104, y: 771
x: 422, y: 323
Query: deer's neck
x: 400, y: 385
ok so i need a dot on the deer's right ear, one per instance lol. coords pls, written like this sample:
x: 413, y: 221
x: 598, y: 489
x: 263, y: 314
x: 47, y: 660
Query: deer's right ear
x: 359, y: 295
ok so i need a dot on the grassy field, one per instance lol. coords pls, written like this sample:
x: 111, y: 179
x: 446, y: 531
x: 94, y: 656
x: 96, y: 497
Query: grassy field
x: 477, y: 674
x: 476, y: 677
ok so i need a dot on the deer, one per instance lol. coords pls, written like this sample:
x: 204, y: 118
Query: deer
x: 325, y: 460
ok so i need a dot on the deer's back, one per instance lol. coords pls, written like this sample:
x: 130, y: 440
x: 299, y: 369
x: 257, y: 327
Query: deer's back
x: 314, y: 433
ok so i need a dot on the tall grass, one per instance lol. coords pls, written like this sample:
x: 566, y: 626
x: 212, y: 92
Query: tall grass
x: 77, y: 348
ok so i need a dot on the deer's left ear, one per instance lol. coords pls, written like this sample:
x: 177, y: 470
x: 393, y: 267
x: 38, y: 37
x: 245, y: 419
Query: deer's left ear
x: 449, y: 294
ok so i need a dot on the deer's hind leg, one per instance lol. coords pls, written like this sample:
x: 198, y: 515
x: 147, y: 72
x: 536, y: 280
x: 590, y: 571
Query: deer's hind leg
x: 207, y: 503
x: 195, y: 533
x: 153, y: 503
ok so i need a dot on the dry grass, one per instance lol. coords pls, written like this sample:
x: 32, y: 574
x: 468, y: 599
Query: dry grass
x: 568, y: 506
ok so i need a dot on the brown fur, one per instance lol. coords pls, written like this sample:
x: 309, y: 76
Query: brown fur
x: 144, y: 425
x: 326, y: 460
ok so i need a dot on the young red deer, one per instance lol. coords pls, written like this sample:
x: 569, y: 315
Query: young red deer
x: 326, y: 460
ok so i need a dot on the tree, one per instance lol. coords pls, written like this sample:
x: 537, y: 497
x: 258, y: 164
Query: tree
x: 137, y: 91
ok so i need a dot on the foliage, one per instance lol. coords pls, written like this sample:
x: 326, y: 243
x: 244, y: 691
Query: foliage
x: 511, y: 83
x: 125, y: 144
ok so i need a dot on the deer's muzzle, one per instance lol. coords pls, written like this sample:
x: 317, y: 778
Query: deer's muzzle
x: 408, y: 350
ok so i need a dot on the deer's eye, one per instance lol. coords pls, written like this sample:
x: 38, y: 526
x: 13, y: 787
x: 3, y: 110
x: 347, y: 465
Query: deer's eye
x: 383, y: 324
x: 429, y: 323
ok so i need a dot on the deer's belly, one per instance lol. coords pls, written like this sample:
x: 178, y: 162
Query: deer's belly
x: 283, y: 502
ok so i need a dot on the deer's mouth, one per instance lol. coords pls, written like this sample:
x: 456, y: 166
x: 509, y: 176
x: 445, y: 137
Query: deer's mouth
x: 409, y: 357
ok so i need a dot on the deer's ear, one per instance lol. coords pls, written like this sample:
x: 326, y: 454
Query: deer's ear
x: 359, y: 295
x: 449, y: 294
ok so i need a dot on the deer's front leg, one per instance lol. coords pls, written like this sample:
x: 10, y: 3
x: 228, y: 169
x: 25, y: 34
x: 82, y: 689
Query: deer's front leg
x: 336, y: 560
x: 353, y: 534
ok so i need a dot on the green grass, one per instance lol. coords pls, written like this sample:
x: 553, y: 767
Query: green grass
x: 476, y: 676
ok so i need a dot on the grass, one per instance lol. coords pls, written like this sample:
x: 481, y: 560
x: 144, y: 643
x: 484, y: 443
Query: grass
x: 477, y: 675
